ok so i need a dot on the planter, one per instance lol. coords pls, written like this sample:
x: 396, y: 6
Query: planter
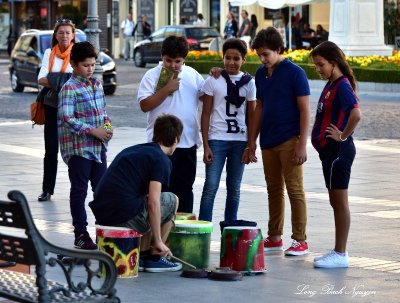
x: 362, y: 74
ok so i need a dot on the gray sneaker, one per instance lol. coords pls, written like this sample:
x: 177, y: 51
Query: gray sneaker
x: 332, y: 260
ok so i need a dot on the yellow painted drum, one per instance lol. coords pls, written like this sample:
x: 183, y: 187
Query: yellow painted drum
x: 190, y: 241
x: 123, y: 245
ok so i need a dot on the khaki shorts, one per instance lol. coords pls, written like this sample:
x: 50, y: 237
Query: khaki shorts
x: 141, y: 224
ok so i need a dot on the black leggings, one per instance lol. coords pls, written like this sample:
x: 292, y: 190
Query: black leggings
x: 184, y: 161
x: 50, y: 160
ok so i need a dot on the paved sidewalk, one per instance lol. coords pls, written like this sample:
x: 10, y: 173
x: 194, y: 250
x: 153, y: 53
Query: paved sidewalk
x: 374, y: 273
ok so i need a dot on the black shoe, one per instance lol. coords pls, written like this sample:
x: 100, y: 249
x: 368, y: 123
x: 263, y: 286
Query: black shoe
x: 44, y: 197
x: 85, y: 242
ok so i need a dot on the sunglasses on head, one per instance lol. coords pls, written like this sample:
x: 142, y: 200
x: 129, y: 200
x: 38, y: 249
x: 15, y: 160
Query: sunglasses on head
x: 64, y: 21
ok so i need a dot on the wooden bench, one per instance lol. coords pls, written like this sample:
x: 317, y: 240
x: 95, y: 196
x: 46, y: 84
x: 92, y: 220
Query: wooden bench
x: 80, y: 278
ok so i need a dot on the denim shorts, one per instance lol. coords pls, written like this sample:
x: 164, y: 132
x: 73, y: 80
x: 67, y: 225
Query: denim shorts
x: 141, y: 224
x: 337, y: 159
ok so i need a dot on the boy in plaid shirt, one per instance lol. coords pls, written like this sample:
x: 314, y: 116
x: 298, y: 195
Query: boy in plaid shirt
x: 83, y: 135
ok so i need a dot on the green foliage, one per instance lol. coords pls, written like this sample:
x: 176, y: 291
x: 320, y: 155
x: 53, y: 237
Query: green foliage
x: 391, y: 21
x: 362, y: 74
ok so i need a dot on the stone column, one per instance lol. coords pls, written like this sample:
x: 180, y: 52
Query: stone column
x: 92, y: 31
x: 357, y: 27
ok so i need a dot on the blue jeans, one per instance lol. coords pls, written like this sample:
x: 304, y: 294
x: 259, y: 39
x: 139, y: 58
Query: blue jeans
x: 232, y: 152
x: 81, y: 171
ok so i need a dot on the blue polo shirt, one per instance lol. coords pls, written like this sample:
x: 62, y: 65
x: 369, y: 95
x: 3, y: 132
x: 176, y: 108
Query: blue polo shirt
x: 281, y: 116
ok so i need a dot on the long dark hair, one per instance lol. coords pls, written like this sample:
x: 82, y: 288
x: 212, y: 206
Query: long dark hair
x: 332, y: 53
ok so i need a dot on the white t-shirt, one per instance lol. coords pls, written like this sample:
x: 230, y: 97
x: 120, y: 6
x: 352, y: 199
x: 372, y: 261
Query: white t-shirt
x: 127, y: 27
x: 200, y: 22
x: 57, y: 64
x: 227, y: 122
x: 183, y: 103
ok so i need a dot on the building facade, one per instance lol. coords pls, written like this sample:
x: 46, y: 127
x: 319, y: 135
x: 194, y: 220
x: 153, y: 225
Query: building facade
x: 19, y: 15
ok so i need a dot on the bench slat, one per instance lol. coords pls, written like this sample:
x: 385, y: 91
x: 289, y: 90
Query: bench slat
x: 19, y: 286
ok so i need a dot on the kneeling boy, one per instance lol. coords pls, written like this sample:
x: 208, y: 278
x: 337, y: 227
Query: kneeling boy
x: 129, y: 194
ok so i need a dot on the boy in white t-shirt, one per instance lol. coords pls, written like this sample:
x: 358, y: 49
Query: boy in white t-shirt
x: 226, y: 102
x: 180, y: 97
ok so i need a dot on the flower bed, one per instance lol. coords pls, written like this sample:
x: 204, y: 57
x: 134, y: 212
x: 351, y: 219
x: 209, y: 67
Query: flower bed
x: 369, y: 69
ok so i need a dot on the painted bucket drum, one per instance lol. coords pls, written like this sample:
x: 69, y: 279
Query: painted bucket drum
x: 242, y: 249
x: 185, y: 216
x: 123, y: 245
x: 190, y: 241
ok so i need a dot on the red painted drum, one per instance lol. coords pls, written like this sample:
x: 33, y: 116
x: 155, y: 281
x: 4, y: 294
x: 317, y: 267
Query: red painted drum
x: 242, y: 249
x: 123, y: 245
x: 185, y: 216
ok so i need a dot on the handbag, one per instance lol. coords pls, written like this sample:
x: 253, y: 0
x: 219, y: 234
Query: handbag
x: 37, y: 113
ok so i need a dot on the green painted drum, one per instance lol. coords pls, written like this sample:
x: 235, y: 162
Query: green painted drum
x: 190, y: 241
x: 185, y: 216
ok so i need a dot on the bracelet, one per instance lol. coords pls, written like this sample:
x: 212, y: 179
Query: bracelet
x: 340, y: 138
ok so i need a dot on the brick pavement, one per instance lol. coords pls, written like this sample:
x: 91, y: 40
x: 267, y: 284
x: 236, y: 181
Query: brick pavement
x: 374, y: 272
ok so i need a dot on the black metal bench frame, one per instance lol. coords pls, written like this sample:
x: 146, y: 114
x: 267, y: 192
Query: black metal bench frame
x: 33, y: 249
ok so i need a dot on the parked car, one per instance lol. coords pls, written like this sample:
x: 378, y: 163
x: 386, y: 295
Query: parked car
x: 198, y: 37
x: 26, y: 60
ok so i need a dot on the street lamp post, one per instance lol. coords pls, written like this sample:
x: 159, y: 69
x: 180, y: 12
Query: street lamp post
x: 92, y: 31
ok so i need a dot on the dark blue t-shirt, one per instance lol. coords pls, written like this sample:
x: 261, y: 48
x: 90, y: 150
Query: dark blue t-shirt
x: 121, y: 193
x: 281, y: 116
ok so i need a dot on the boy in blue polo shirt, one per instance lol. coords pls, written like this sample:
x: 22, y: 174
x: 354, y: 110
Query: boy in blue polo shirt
x: 282, y: 117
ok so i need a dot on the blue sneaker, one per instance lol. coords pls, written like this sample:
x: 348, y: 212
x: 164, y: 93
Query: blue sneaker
x: 141, y: 265
x: 161, y: 265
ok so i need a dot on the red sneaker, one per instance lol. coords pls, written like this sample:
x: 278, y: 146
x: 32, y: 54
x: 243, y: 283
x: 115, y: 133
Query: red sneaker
x: 297, y: 249
x: 270, y: 245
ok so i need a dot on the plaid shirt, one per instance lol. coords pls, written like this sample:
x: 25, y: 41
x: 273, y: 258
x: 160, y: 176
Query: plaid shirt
x: 81, y: 108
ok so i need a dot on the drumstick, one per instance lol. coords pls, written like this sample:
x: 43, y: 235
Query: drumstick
x: 183, y: 262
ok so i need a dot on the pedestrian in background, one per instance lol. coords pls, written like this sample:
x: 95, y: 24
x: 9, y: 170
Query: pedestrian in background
x: 282, y: 116
x: 127, y: 29
x: 253, y: 27
x: 180, y: 97
x: 82, y: 118
x: 54, y: 72
x: 231, y: 26
x: 200, y: 21
x: 244, y: 31
x: 226, y: 102
x: 146, y: 28
x: 337, y: 117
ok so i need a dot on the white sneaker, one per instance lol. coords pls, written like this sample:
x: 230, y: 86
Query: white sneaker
x: 323, y: 256
x: 332, y: 260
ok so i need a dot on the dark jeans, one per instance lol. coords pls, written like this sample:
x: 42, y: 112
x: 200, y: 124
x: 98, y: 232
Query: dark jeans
x: 81, y: 171
x: 183, y: 174
x: 51, y: 149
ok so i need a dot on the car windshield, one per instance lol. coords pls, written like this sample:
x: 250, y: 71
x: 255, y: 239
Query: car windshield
x: 45, y: 40
x: 199, y: 33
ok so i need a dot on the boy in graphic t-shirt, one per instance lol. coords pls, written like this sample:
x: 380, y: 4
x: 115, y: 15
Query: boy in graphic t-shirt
x: 224, y: 129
